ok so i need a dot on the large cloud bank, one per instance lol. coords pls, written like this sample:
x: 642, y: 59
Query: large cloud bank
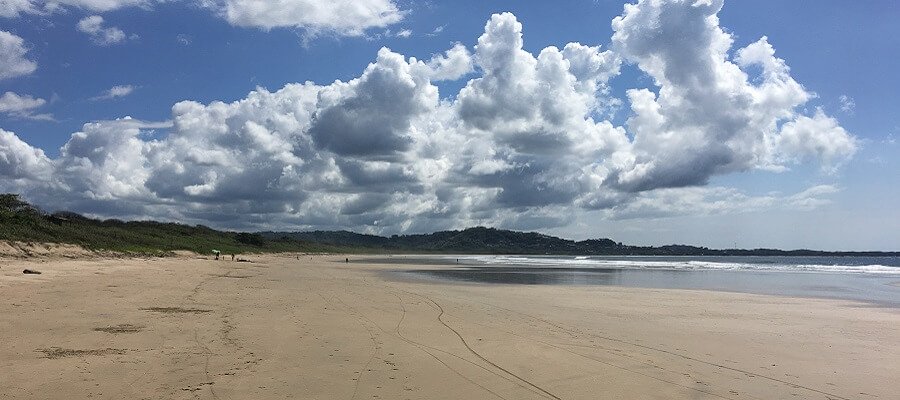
x: 523, y: 144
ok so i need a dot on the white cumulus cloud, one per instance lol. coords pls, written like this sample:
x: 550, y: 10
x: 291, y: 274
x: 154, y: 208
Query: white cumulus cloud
x: 22, y: 106
x: 706, y: 116
x: 452, y: 65
x: 13, y: 61
x: 100, y: 34
x: 115, y: 92
x: 315, y: 17
x: 521, y: 145
x: 342, y: 17
x: 819, y: 137
x: 12, y: 8
x: 847, y: 104
x: 20, y: 162
x: 15, y: 8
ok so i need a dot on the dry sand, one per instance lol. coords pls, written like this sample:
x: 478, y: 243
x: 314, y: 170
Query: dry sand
x: 320, y: 329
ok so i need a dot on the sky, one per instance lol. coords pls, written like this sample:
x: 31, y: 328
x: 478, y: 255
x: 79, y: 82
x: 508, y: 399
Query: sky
x: 704, y: 122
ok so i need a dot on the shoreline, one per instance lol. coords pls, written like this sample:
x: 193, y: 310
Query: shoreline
x: 890, y: 300
x: 317, y: 327
x: 877, y: 289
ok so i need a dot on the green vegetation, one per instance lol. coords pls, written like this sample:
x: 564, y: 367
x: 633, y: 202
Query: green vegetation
x: 19, y: 221
x: 478, y: 240
x: 481, y: 240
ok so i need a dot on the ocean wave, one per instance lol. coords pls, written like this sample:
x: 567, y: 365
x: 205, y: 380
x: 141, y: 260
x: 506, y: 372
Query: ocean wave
x: 678, y: 265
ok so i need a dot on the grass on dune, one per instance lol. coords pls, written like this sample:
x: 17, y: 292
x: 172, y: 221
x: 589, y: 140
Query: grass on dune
x: 20, y: 221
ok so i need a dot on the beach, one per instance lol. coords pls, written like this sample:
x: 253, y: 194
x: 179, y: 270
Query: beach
x: 315, y: 327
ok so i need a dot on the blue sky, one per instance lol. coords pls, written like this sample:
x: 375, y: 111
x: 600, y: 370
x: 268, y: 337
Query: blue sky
x: 168, y: 52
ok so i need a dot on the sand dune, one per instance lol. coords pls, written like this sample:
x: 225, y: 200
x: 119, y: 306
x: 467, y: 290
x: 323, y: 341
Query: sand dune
x: 316, y: 328
x: 33, y: 250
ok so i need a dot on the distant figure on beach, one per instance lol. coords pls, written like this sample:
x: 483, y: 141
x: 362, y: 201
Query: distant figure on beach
x: 346, y: 260
x: 232, y: 256
x: 216, y: 252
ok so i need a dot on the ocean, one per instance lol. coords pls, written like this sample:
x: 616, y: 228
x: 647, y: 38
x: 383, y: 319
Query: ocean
x: 874, y: 280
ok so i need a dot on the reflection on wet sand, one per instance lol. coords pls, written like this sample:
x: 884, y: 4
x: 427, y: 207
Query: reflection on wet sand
x: 874, y: 289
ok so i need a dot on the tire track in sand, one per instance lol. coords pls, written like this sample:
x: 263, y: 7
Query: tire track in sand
x: 360, y: 316
x: 440, y: 319
x: 422, y: 347
x: 569, y: 330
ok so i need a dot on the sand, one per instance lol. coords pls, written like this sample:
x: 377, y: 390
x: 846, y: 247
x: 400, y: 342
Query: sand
x: 317, y: 328
x: 32, y: 250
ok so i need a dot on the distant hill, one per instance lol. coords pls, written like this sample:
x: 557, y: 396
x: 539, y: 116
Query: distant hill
x: 473, y: 240
x: 22, y: 222
x: 481, y: 240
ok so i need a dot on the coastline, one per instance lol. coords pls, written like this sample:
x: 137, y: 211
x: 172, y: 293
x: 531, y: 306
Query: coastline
x: 775, y: 276
x: 317, y: 327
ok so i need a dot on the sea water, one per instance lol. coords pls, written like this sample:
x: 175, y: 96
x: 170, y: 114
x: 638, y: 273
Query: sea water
x: 875, y: 280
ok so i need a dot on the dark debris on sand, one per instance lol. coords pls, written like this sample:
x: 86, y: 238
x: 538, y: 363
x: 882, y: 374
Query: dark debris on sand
x: 121, y: 328
x: 58, y: 352
x: 175, y: 310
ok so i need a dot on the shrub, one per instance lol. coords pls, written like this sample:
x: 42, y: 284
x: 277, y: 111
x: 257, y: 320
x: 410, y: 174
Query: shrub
x: 253, y: 239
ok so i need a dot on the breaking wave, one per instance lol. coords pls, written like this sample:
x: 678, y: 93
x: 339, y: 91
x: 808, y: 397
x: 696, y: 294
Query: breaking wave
x: 843, y: 265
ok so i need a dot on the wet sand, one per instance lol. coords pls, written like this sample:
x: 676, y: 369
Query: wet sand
x: 322, y: 329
